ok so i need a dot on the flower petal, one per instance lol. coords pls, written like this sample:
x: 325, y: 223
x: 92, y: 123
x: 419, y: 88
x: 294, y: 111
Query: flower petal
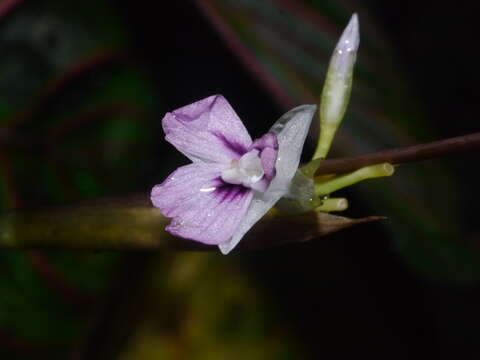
x: 268, y: 147
x: 208, y: 130
x: 291, y: 130
x: 203, y: 207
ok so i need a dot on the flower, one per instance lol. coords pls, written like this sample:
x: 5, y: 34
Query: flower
x: 232, y: 181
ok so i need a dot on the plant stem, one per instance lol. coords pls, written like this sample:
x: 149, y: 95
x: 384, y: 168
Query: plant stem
x: 133, y: 224
x: 333, y: 204
x: 402, y: 155
x: 339, y: 182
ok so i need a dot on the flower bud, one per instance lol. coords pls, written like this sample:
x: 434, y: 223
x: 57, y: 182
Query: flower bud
x: 337, y: 87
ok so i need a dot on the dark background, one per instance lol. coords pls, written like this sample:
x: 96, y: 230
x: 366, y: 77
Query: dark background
x: 358, y: 297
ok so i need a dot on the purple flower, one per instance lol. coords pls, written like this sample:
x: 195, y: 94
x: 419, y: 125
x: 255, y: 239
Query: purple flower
x: 232, y: 181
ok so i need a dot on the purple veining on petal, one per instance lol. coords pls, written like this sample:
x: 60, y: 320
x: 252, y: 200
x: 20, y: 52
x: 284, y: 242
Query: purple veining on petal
x: 236, y: 147
x: 208, y: 130
x: 211, y: 199
x: 229, y: 192
x: 202, y: 207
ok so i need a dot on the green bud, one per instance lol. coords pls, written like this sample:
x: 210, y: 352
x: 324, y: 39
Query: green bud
x: 337, y: 87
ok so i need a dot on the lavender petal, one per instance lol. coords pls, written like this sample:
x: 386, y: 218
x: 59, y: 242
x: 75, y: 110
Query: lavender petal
x: 202, y: 207
x: 208, y: 130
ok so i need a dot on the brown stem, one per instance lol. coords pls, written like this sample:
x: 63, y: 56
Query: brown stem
x: 402, y: 155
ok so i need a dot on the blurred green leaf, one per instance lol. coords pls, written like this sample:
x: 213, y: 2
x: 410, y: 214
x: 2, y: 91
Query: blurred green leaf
x: 32, y: 319
x: 80, y: 116
x: 208, y: 321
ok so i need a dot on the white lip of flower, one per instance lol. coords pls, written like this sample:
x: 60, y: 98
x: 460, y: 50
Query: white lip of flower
x: 291, y: 130
x: 246, y: 171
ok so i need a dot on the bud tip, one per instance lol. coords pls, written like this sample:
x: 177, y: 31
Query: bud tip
x: 350, y: 38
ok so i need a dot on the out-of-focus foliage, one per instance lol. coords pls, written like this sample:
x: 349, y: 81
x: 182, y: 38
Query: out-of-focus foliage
x: 197, y: 312
x: 287, y: 45
x: 77, y: 121
x: 75, y: 116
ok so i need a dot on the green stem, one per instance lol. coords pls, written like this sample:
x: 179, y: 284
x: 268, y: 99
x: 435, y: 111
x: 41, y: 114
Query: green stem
x: 333, y: 204
x: 325, y: 139
x: 368, y: 172
x: 133, y: 224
